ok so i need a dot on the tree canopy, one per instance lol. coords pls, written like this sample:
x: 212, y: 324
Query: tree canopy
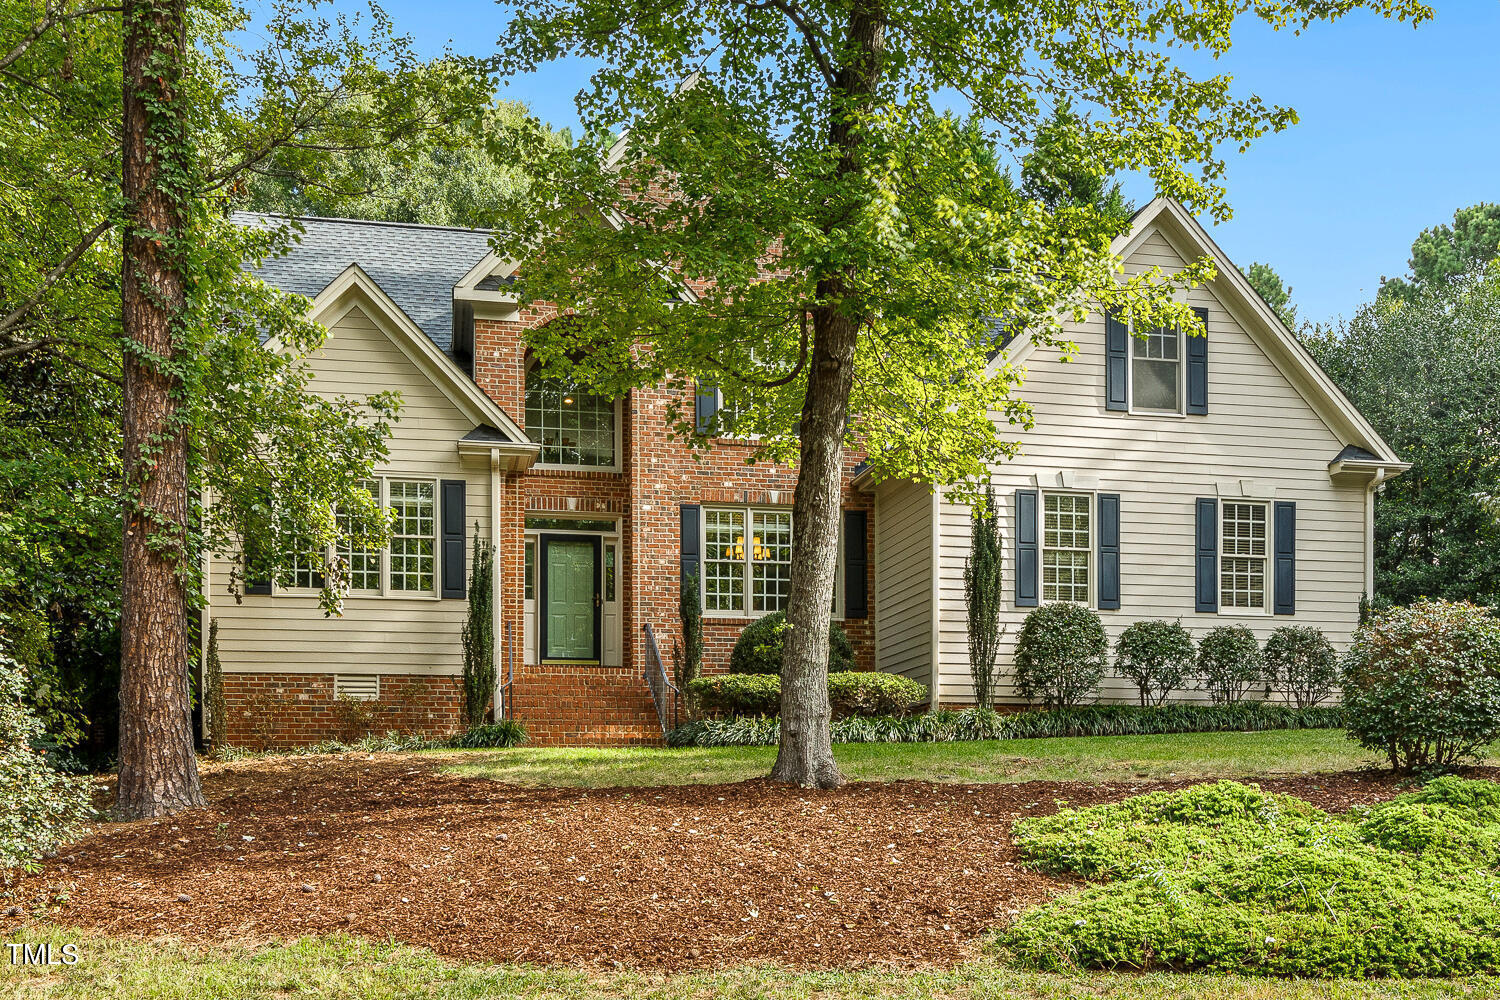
x: 1448, y: 251
x: 1278, y: 295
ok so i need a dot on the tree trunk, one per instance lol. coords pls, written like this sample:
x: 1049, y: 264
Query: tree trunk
x: 158, y: 770
x: 805, y: 753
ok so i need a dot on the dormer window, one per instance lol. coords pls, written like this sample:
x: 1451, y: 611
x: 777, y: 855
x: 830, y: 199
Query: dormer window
x: 575, y: 428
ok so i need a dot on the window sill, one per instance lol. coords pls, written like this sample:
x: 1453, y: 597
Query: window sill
x: 1170, y: 414
x: 362, y: 595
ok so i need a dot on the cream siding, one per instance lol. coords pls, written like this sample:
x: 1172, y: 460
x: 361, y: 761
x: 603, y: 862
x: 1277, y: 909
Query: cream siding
x: 904, y: 580
x: 1260, y: 435
x: 376, y: 635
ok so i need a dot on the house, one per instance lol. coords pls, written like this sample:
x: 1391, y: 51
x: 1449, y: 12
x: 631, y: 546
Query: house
x: 1209, y: 479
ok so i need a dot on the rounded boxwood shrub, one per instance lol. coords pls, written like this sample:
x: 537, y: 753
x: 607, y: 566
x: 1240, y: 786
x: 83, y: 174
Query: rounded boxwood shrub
x: 1156, y: 656
x: 1060, y: 655
x: 738, y: 694
x: 1301, y: 661
x: 1422, y: 684
x: 865, y: 692
x: 1230, y: 664
x: 758, y: 649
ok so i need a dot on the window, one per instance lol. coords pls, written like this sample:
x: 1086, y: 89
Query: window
x: 724, y: 560
x: 530, y: 569
x: 413, y: 535
x: 770, y: 560
x: 305, y: 564
x: 1156, y: 370
x: 1242, y: 557
x: 609, y: 571
x: 572, y: 426
x: 363, y: 564
x: 1066, y: 547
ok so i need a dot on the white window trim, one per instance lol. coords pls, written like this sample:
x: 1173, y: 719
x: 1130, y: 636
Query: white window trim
x: 1092, y: 548
x: 749, y: 510
x: 1267, y: 599
x: 564, y: 466
x: 1142, y: 411
x: 386, y: 592
x: 729, y: 435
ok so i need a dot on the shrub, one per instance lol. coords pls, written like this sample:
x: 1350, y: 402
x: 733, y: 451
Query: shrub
x: 1230, y: 664
x: 687, y: 655
x: 1225, y: 878
x: 478, y: 636
x: 1060, y: 655
x: 982, y: 598
x: 758, y: 649
x: 214, y: 706
x: 863, y: 692
x: 40, y: 808
x: 504, y: 733
x: 1301, y: 662
x: 1156, y: 656
x: 738, y: 694
x: 1422, y: 685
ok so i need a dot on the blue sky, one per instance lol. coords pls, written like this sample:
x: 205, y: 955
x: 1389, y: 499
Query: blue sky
x: 1398, y: 129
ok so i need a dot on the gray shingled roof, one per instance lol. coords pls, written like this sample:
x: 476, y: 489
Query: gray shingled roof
x: 417, y: 266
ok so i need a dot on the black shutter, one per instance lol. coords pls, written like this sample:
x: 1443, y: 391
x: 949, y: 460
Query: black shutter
x: 1109, y: 551
x: 1286, y: 558
x: 1027, y: 556
x: 257, y: 586
x: 856, y: 563
x: 1116, y: 360
x: 1197, y: 367
x: 705, y: 405
x: 691, y: 548
x: 1207, y: 561
x: 451, y: 492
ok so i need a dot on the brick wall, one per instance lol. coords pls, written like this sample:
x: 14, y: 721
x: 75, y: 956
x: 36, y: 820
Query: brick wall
x: 282, y: 710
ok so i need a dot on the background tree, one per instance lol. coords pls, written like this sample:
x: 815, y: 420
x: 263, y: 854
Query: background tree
x: 1423, y: 370
x: 142, y: 175
x: 1444, y: 252
x: 1278, y: 295
x: 851, y: 245
x: 983, y: 594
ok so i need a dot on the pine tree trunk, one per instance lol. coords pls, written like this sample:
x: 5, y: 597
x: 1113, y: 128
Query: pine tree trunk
x: 158, y: 770
x: 805, y: 754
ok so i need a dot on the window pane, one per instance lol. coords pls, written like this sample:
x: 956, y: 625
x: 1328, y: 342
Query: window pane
x: 771, y: 560
x: 573, y: 427
x: 413, y: 536
x: 530, y: 570
x: 1155, y: 384
x: 1066, y: 547
x: 1242, y: 579
x: 303, y: 562
x: 609, y: 572
x: 723, y: 560
x: 363, y: 563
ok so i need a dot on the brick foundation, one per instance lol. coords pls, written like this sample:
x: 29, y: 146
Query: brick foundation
x: 267, y: 711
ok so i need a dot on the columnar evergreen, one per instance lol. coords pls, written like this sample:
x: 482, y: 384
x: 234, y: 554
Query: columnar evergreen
x: 479, y: 635
x: 982, y: 598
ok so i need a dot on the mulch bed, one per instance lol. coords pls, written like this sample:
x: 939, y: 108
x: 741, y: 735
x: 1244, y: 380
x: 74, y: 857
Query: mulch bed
x: 908, y: 873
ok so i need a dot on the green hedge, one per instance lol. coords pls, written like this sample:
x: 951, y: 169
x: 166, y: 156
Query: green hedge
x: 976, y: 724
x: 857, y: 692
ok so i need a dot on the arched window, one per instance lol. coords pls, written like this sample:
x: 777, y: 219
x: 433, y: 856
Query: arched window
x: 572, y: 426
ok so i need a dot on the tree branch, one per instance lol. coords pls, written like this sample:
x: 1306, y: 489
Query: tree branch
x: 47, y: 24
x: 53, y: 276
x: 809, y: 33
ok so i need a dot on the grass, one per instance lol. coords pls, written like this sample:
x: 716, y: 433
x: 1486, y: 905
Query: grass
x: 343, y: 968
x: 1092, y: 758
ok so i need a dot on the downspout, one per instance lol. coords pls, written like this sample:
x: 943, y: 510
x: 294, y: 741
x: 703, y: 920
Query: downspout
x: 1381, y: 476
x: 497, y: 605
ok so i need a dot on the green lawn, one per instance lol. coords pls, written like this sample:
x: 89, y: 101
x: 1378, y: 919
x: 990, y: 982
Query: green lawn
x: 1094, y: 758
x: 346, y: 969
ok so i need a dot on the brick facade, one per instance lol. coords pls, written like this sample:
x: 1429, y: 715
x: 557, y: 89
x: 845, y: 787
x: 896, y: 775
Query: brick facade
x: 278, y: 710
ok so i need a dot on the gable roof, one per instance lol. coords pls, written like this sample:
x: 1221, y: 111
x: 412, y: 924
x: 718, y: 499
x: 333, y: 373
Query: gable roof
x: 416, y: 266
x: 1260, y: 322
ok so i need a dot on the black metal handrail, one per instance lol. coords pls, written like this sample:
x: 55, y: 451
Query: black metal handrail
x: 659, y: 683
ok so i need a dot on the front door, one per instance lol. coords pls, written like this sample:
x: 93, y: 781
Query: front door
x: 571, y: 601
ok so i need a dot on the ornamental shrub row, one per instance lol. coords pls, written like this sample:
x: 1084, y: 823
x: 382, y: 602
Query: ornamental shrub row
x: 1062, y: 652
x: 985, y: 724
x: 849, y: 693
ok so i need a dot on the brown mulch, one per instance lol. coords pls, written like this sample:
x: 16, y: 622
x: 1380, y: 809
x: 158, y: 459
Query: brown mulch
x: 666, y: 878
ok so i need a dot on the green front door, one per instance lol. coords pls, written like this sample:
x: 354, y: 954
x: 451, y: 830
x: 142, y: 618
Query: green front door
x: 570, y: 598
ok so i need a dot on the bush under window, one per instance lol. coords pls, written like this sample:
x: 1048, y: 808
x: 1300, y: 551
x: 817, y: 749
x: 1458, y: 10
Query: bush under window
x: 854, y: 692
x: 1060, y: 655
x: 1156, y: 657
x: 758, y: 649
x: 1230, y: 664
x: 1422, y: 685
x: 1301, y: 662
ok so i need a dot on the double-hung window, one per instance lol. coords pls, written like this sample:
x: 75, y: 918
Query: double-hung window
x: 574, y: 428
x: 1156, y: 370
x: 408, y: 566
x: 1242, y: 556
x: 747, y: 560
x: 363, y: 564
x: 1066, y: 546
x: 413, y: 506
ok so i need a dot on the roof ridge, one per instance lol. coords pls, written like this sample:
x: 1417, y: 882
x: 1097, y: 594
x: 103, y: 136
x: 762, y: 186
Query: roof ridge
x: 363, y: 222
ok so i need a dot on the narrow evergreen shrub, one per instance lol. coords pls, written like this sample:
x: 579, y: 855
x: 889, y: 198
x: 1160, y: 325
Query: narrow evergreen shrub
x: 758, y: 649
x: 1156, y: 656
x: 1301, y: 662
x: 40, y: 808
x: 478, y: 636
x: 213, y: 692
x: 865, y: 692
x: 982, y: 597
x: 1060, y: 655
x: 687, y: 656
x: 1230, y: 664
x: 1421, y: 685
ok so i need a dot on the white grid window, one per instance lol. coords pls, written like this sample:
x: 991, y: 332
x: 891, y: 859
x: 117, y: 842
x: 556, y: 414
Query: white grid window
x: 363, y: 564
x: 770, y: 555
x: 1066, y: 547
x: 1242, y: 556
x: 723, y: 580
x: 573, y: 427
x: 1156, y: 370
x: 305, y: 563
x: 413, y: 535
